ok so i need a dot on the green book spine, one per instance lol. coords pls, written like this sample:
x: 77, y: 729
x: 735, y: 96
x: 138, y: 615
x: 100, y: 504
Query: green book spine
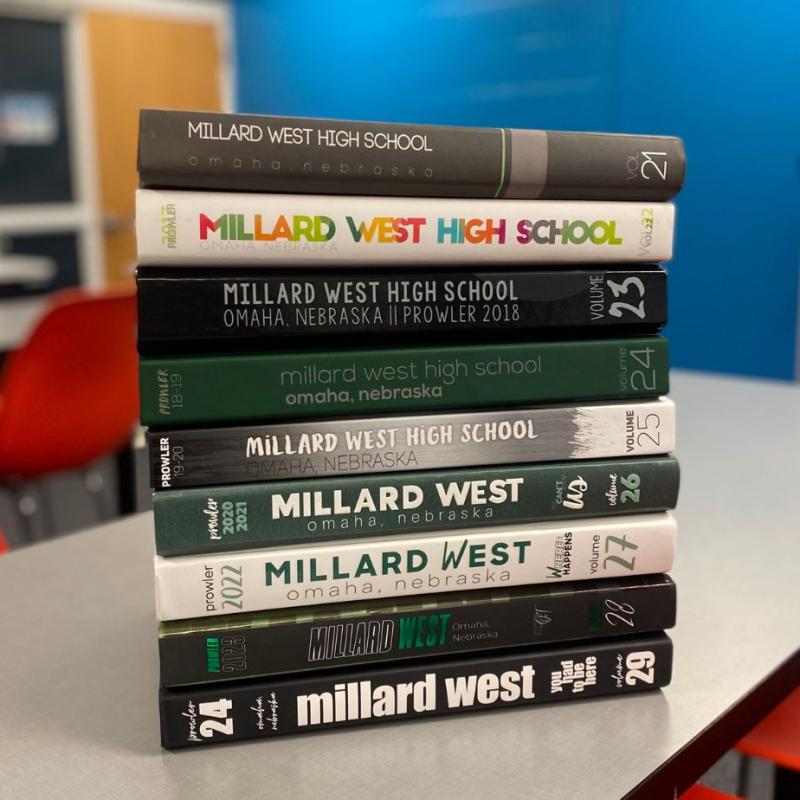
x: 181, y: 391
x: 221, y: 518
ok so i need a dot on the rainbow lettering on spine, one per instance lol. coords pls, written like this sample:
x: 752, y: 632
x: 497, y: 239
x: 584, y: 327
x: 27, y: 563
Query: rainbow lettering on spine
x: 401, y: 230
x: 234, y: 227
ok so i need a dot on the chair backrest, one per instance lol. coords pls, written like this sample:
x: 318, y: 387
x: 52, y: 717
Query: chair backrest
x: 70, y: 394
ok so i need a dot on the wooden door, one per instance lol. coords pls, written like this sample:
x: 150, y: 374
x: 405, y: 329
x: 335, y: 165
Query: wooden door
x: 135, y: 62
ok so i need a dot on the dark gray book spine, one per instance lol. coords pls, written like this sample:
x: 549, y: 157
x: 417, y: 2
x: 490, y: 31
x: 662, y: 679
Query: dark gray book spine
x: 346, y: 634
x: 245, y: 152
x: 265, y: 708
x: 211, y: 456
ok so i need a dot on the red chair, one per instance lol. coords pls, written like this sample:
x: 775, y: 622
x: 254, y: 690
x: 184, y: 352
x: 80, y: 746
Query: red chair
x: 777, y: 739
x: 698, y: 792
x: 69, y: 396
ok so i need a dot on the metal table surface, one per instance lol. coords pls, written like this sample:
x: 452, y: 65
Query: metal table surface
x: 78, y: 661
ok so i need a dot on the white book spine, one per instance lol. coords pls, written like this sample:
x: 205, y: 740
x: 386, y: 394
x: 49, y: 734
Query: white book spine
x: 512, y: 555
x: 207, y: 228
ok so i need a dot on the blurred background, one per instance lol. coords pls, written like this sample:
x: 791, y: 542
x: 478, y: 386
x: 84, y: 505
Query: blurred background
x: 723, y: 75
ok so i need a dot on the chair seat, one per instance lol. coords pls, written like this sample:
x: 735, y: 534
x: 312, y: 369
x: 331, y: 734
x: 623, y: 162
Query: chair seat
x: 777, y: 737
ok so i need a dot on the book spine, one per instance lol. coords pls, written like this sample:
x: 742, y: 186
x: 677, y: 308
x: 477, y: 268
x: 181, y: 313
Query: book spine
x: 222, y: 518
x: 273, y: 707
x: 511, y: 555
x: 201, y: 389
x: 209, y: 309
x: 184, y: 458
x: 200, y: 229
x: 437, y: 625
x: 284, y: 154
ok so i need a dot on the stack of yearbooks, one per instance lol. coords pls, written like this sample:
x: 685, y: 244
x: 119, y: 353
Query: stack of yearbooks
x: 409, y: 443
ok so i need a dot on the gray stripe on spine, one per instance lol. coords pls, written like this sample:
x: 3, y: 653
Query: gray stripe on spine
x: 528, y: 173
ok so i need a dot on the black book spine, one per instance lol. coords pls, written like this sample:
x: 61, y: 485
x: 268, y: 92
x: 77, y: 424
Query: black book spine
x: 186, y: 311
x: 263, y: 709
x: 348, y: 634
x: 243, y: 152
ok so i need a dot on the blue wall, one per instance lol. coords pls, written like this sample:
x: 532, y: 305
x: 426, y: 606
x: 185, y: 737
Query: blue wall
x: 724, y: 75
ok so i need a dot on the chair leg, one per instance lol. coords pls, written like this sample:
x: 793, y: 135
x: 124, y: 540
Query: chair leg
x: 26, y: 507
x: 787, y: 784
x: 126, y: 479
x: 49, y: 527
x: 96, y: 487
x: 743, y: 778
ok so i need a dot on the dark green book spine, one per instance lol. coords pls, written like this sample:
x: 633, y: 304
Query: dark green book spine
x: 262, y: 514
x: 181, y: 391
